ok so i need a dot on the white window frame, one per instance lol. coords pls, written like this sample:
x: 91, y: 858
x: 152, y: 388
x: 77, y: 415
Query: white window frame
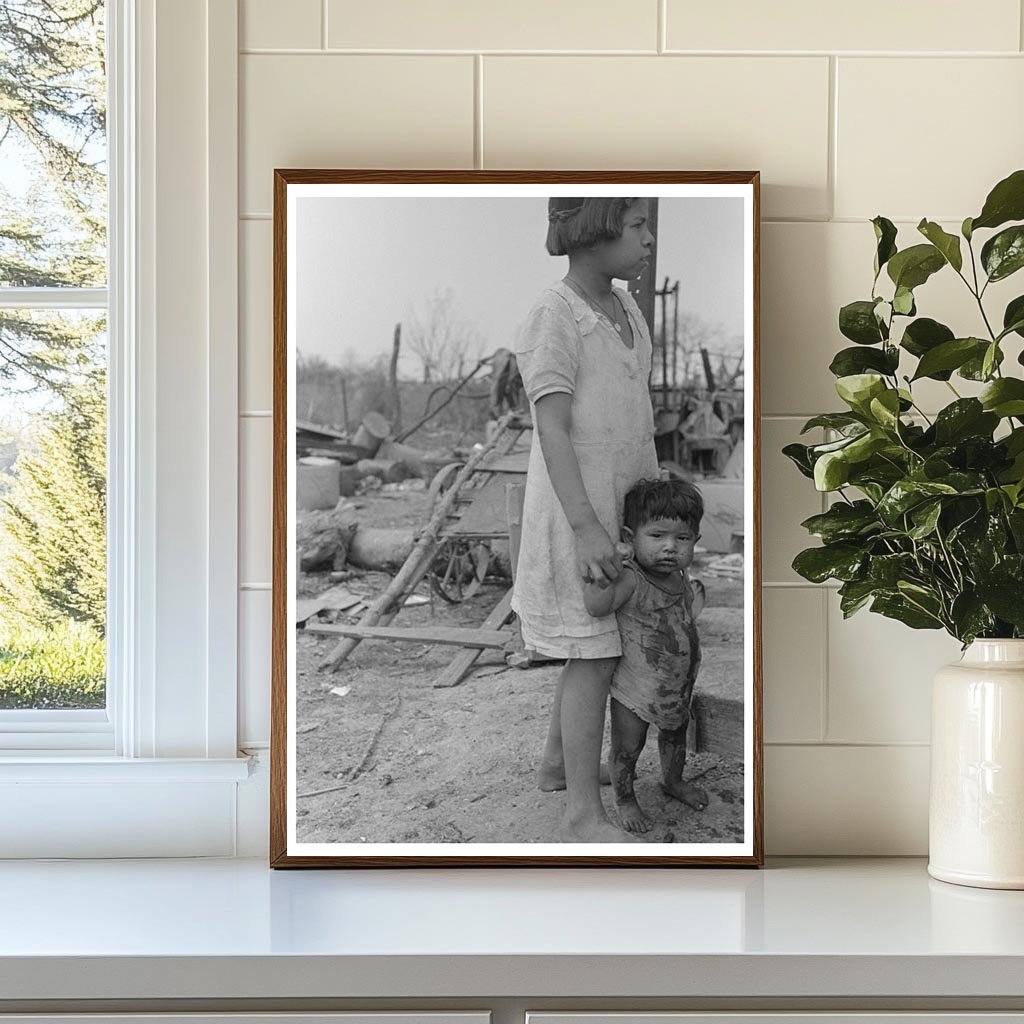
x: 158, y: 772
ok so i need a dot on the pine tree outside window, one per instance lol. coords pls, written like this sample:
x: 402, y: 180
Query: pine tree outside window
x: 53, y: 365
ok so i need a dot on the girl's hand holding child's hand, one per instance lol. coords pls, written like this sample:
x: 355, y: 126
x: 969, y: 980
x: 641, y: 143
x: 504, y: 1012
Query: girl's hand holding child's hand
x: 598, y: 559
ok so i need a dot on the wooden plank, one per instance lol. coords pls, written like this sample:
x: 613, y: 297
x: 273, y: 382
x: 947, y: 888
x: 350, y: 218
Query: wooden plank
x: 421, y: 555
x: 515, y: 462
x: 483, y: 639
x: 460, y: 665
x: 335, y: 599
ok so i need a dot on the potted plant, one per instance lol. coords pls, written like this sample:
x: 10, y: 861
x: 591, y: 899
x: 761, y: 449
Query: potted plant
x: 927, y: 521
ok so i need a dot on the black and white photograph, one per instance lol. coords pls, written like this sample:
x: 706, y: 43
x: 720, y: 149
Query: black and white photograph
x: 516, y: 563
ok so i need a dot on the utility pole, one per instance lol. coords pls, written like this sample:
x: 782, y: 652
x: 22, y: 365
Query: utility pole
x: 396, y: 402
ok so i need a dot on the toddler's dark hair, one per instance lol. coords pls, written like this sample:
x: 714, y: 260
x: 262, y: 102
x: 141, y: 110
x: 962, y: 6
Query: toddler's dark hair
x: 663, y: 499
x: 577, y: 223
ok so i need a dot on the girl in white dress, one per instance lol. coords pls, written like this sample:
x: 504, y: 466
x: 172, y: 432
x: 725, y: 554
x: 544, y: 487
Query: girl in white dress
x: 585, y: 358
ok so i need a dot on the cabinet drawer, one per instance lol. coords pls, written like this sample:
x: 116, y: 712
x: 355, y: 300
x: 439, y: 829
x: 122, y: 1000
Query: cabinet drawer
x: 362, y: 1017
x: 790, y: 1017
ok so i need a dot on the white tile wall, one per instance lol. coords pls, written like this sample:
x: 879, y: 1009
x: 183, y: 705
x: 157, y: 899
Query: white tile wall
x: 256, y: 304
x: 838, y: 138
x: 873, y: 25
x: 472, y: 25
x: 699, y: 113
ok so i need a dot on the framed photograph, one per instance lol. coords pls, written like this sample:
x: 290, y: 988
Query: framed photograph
x: 516, y: 548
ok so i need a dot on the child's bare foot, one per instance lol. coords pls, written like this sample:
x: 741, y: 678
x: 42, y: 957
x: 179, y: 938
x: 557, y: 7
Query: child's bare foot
x: 551, y: 777
x: 593, y: 830
x: 690, y: 794
x: 633, y: 819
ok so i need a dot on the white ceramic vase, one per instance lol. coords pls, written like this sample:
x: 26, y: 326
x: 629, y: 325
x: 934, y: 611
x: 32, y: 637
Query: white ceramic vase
x: 976, y: 814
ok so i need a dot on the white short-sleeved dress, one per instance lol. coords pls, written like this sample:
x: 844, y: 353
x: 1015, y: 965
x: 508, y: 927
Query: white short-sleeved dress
x: 566, y: 347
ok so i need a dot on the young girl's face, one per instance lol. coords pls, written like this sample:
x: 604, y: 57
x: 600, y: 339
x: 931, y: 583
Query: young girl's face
x: 627, y: 256
x: 663, y: 546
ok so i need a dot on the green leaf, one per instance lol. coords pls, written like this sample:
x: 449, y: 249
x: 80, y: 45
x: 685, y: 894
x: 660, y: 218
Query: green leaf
x: 925, y: 518
x: 903, y: 302
x: 1005, y: 202
x: 1005, y: 596
x: 885, y: 409
x: 970, y: 616
x: 1013, y: 317
x: 1004, y: 397
x: 850, y: 361
x: 858, y: 389
x: 900, y: 609
x: 831, y: 471
x: 857, y: 321
x: 840, y: 561
x: 949, y: 355
x: 947, y: 244
x: 906, y: 494
x: 966, y: 417
x: 1003, y: 254
x: 833, y: 420
x: 991, y: 360
x: 885, y: 571
x: 912, y: 267
x: 923, y: 335
x: 843, y: 521
x: 974, y: 368
x: 799, y: 455
x: 885, y: 236
x: 965, y: 229
x: 854, y: 594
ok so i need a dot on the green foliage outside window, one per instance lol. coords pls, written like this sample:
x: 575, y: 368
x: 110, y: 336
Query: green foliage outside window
x: 52, y: 365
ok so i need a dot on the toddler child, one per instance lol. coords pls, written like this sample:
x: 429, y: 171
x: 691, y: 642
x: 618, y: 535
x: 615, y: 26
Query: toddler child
x: 656, y: 606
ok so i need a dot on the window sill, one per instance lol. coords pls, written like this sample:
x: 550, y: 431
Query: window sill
x: 74, y: 766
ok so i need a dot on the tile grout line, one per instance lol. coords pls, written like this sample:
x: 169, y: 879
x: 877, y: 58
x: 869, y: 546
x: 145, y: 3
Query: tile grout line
x: 662, y: 28
x: 478, y: 111
x: 767, y: 55
x: 831, y: 170
x: 323, y: 24
x: 1020, y: 26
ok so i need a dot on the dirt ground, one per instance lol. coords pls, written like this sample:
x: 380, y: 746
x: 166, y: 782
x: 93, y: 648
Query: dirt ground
x: 459, y: 765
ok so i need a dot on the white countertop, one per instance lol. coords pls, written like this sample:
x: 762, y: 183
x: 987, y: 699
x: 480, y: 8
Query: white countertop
x: 235, y: 929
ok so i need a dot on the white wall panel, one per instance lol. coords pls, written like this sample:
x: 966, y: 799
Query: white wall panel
x: 471, y: 25
x: 362, y: 111
x: 961, y: 130
x: 265, y: 24
x: 794, y: 663
x: 844, y: 801
x: 879, y: 677
x: 256, y: 306
x: 681, y: 113
x: 255, y: 508
x: 870, y: 25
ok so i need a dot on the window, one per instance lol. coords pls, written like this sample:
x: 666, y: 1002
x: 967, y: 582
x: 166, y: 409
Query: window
x: 155, y: 771
x: 53, y: 369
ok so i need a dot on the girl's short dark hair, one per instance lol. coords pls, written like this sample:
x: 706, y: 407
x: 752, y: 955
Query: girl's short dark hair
x: 577, y: 223
x: 663, y: 499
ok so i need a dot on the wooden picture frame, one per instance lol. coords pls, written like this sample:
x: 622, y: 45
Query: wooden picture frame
x: 372, y: 766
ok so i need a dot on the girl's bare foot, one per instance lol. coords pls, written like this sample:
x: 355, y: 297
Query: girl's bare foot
x: 633, y: 819
x: 691, y: 795
x: 593, y: 830
x: 551, y: 777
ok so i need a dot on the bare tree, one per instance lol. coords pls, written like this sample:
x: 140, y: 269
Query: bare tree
x: 441, y: 339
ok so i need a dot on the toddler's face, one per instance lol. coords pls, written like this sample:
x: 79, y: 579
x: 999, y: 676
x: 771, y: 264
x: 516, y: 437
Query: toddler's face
x: 664, y: 546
